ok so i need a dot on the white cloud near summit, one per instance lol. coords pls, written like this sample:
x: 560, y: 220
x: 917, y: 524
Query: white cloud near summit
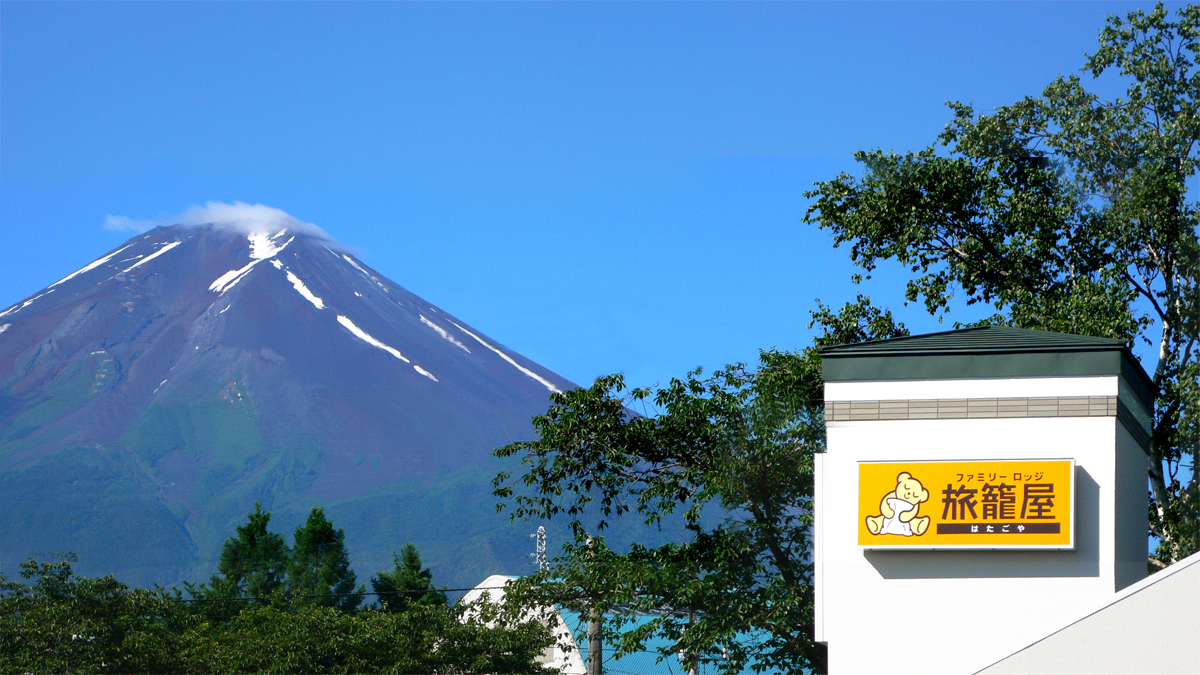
x: 238, y: 216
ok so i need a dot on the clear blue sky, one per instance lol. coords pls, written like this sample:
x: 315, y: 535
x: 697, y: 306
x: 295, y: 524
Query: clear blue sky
x: 601, y: 187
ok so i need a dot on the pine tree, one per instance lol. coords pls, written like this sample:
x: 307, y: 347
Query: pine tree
x: 407, y: 585
x: 254, y: 563
x: 320, y: 572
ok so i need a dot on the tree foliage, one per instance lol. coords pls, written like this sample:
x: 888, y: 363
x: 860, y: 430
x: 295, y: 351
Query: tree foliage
x: 319, y: 572
x: 254, y: 563
x: 322, y: 639
x: 407, y: 584
x: 1070, y: 213
x: 738, y: 443
x: 67, y: 624
x: 266, y: 610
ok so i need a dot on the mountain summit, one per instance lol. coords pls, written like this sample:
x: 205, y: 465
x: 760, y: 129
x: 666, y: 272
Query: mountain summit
x: 149, y: 398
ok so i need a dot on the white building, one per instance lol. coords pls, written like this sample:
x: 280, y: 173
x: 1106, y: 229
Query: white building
x: 1017, y: 474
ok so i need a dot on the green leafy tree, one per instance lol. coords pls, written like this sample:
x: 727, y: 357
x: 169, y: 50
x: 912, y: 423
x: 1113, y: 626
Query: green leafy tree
x: 740, y: 442
x: 319, y: 573
x: 318, y: 639
x: 407, y: 584
x: 1070, y: 213
x: 66, y: 624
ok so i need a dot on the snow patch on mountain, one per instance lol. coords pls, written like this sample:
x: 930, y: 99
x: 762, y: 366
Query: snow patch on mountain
x: 356, y: 265
x: 546, y: 383
x: 93, y: 265
x: 365, y: 337
x: 370, y: 276
x: 226, y: 281
x: 442, y: 331
x: 303, y: 290
x: 4, y: 327
x: 25, y: 304
x: 263, y: 245
x: 152, y: 256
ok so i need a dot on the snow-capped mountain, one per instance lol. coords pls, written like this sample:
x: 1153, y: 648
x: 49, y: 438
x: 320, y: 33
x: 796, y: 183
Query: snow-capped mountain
x: 149, y: 398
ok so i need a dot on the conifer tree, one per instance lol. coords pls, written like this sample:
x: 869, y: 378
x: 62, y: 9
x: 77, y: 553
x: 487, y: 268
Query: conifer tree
x: 320, y: 572
x: 407, y: 585
x: 254, y: 563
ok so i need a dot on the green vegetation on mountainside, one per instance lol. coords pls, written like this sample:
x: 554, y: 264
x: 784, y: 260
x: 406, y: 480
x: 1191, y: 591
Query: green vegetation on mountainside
x: 112, y: 513
x: 66, y: 392
x: 227, y: 429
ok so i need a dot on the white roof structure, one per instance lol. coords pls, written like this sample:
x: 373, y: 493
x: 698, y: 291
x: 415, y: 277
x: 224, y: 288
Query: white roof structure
x: 569, y: 653
x: 563, y: 655
x: 1152, y: 626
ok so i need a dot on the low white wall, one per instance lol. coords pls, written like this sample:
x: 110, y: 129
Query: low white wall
x: 1151, y: 627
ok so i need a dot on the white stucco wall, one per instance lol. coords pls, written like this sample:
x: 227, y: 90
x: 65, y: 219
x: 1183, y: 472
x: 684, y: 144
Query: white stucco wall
x: 1150, y: 627
x: 928, y: 612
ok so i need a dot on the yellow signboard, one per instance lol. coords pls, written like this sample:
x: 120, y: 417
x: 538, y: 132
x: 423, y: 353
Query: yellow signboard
x: 1026, y: 503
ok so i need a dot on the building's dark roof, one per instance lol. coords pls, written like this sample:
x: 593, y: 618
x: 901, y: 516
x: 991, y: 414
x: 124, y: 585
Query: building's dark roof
x: 978, y: 340
x: 986, y: 351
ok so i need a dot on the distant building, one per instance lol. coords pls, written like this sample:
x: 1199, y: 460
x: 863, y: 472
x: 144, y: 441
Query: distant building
x: 568, y: 660
x: 570, y: 629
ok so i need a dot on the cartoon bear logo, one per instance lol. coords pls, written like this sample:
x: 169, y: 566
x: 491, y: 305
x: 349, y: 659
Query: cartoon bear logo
x: 899, y: 509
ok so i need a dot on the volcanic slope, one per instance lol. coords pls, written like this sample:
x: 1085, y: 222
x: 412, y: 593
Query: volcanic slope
x: 148, y: 399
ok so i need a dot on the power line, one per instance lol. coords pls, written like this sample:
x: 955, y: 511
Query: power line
x: 344, y: 595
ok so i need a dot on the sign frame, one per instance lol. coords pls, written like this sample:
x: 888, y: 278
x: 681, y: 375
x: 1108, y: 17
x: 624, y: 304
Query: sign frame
x: 895, y: 544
